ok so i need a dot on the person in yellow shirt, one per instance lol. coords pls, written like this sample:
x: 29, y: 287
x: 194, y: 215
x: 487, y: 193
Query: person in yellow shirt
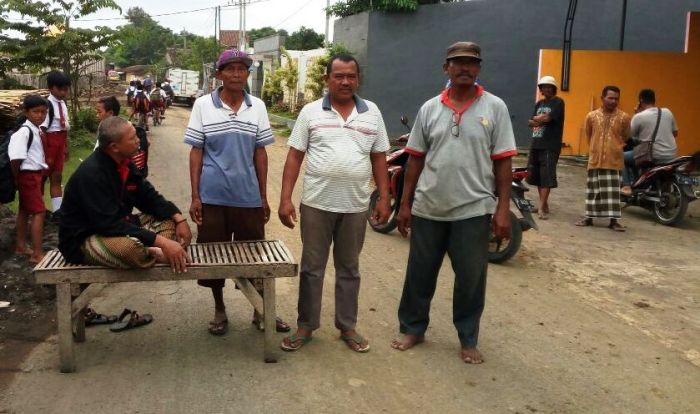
x: 607, y: 129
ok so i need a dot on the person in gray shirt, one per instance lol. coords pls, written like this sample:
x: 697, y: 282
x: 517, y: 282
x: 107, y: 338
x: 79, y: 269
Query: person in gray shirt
x: 642, y: 130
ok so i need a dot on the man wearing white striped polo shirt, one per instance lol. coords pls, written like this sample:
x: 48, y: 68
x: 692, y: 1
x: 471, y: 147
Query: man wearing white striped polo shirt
x: 346, y: 143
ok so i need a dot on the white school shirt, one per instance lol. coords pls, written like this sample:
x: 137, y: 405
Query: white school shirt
x: 56, y: 124
x: 17, y: 149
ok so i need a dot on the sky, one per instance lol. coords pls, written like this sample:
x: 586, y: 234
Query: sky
x: 279, y: 14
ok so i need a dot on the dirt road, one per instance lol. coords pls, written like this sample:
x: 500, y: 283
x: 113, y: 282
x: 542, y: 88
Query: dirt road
x: 582, y: 320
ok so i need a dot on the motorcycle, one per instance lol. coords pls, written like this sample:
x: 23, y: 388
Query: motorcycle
x: 499, y: 251
x: 666, y: 189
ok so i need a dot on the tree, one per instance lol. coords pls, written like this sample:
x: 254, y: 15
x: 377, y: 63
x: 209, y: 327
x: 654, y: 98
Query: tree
x: 142, y: 41
x: 315, y: 82
x: 256, y: 34
x: 50, y: 41
x: 289, y: 77
x: 200, y: 50
x: 349, y: 7
x: 304, y: 39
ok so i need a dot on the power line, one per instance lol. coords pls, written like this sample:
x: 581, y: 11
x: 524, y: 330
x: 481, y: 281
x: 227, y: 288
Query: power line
x: 293, y: 14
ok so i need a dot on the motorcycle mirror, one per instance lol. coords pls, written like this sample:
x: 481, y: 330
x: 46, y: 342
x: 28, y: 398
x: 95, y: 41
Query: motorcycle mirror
x: 404, y: 120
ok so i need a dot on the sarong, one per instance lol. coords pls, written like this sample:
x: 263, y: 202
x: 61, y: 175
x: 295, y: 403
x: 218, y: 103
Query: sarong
x: 603, y: 194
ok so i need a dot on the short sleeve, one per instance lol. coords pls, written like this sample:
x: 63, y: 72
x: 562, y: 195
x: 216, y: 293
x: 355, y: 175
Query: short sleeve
x: 557, y: 112
x: 194, y: 134
x: 17, y: 148
x: 674, y: 125
x: 264, y: 136
x: 417, y: 141
x: 502, y: 138
x: 299, y: 139
x: 634, y: 127
x: 381, y: 143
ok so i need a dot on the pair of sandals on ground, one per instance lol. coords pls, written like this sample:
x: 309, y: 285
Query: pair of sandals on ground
x: 129, y: 319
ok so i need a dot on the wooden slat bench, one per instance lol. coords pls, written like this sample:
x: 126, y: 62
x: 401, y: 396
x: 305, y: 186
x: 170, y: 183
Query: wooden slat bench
x: 265, y: 259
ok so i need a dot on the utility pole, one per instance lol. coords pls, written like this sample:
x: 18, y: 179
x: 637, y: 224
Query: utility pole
x: 245, y: 40
x: 328, y: 18
x: 218, y: 21
x: 240, y: 25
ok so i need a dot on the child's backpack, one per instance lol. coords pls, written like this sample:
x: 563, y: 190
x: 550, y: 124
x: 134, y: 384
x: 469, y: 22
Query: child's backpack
x: 130, y: 95
x: 140, y: 102
x: 8, y: 189
x: 156, y: 96
x: 140, y: 159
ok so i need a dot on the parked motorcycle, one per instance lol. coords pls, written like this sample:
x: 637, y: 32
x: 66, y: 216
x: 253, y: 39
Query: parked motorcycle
x: 499, y: 251
x: 666, y: 189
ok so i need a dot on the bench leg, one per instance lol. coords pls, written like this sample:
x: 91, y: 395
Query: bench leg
x: 79, y: 324
x: 269, y: 316
x: 65, y: 327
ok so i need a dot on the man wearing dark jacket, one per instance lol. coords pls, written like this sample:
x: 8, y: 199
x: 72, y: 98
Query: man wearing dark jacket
x: 98, y: 226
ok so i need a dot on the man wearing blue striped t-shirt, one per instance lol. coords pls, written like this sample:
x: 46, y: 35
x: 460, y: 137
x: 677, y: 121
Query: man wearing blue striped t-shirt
x: 228, y: 132
x: 345, y: 143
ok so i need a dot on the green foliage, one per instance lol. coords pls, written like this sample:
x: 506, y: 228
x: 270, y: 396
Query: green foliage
x: 256, y: 34
x: 81, y: 139
x: 86, y: 118
x: 272, y: 91
x: 304, y: 39
x: 11, y: 83
x: 289, y: 76
x: 315, y: 82
x: 140, y: 42
x: 49, y: 40
x: 199, y: 50
x: 350, y: 7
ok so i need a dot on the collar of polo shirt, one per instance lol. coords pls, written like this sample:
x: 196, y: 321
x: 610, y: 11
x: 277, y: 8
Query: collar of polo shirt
x: 217, y: 100
x: 360, y: 103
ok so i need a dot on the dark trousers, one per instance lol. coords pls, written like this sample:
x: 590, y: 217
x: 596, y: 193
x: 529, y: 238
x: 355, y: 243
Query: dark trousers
x: 346, y: 232
x: 466, y: 243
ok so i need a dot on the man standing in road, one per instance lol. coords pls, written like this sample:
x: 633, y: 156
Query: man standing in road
x: 547, y: 125
x: 346, y: 142
x: 607, y: 129
x: 460, y: 151
x: 228, y: 131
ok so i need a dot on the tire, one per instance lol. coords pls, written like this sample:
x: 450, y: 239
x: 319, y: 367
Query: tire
x: 499, y: 253
x: 676, y: 204
x: 390, y: 225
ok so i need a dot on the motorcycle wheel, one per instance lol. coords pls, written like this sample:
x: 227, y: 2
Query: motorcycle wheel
x: 389, y: 225
x: 501, y: 251
x: 674, y: 206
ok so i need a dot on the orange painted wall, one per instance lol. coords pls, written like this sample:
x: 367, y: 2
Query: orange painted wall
x: 674, y: 76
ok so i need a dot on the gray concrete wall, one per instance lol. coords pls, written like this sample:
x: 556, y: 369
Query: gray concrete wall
x: 401, y: 54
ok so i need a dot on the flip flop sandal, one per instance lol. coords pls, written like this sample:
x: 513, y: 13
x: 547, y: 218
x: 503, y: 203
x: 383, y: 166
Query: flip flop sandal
x: 280, y: 325
x: 584, y: 222
x: 294, y: 342
x: 356, y: 339
x: 134, y: 320
x: 616, y: 227
x: 543, y: 216
x: 218, y: 328
x: 94, y: 318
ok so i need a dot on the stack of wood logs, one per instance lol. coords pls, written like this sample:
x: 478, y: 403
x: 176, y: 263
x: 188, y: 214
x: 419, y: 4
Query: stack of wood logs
x: 11, y: 105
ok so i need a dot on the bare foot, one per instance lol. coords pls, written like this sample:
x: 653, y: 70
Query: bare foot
x: 35, y: 258
x: 472, y: 356
x: 407, y: 342
x: 24, y: 252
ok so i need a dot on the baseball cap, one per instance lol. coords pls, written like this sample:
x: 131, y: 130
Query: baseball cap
x: 233, y: 55
x: 464, y: 49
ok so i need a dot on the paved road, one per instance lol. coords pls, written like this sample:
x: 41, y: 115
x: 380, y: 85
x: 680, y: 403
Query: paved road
x: 581, y: 321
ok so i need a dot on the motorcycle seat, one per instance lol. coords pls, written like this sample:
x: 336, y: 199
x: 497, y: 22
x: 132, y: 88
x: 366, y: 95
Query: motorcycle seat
x: 682, y: 158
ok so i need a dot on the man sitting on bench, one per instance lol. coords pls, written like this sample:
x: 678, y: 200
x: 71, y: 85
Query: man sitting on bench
x: 98, y: 226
